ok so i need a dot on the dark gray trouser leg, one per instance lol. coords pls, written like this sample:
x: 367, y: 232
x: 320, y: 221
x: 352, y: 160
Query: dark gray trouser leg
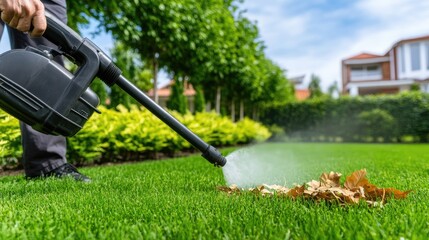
x: 42, y: 152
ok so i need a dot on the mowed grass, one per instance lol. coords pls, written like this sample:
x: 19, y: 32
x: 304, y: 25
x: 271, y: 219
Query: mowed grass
x: 178, y: 199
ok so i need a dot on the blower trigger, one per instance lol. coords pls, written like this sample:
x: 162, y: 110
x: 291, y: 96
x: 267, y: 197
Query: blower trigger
x: 48, y: 51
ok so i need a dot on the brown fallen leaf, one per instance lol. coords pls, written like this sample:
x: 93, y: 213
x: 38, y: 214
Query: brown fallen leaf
x: 368, y: 191
x: 356, y: 188
x: 313, y: 185
x: 261, y: 190
x: 387, y: 192
x: 297, y: 191
x: 230, y: 190
x: 397, y: 194
x: 331, y: 179
x: 356, y: 180
x: 278, y: 189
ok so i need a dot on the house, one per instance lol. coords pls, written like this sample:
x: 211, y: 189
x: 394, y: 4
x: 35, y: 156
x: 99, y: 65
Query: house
x: 300, y: 92
x: 405, y: 64
x: 165, y: 92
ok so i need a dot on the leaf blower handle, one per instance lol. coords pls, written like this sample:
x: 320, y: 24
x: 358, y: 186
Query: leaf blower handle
x: 81, y: 49
x: 61, y: 35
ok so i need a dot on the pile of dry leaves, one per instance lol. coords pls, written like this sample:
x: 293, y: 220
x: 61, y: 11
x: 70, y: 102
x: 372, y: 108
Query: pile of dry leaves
x: 356, y: 188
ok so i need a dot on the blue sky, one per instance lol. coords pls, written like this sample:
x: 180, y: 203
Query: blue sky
x: 313, y: 36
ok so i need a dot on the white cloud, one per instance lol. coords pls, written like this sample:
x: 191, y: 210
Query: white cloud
x: 315, y: 40
x: 390, y: 9
x: 276, y: 26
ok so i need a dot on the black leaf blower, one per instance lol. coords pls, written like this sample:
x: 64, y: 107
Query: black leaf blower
x: 42, y: 93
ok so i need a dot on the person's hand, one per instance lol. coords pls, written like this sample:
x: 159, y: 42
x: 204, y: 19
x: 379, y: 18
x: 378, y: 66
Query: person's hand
x: 24, y: 15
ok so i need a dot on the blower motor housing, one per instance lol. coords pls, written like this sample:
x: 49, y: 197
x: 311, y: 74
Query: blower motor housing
x: 42, y: 93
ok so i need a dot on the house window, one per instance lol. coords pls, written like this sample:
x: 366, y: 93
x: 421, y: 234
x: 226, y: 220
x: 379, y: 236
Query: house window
x: 415, y: 56
x: 373, y: 70
x: 427, y: 55
x: 357, y: 73
x: 365, y: 73
x: 402, y: 52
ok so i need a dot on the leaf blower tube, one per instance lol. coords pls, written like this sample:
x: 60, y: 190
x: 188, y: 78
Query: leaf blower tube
x: 209, y: 152
x: 79, y: 50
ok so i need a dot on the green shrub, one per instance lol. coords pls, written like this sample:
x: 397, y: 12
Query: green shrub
x: 127, y: 134
x: 377, y: 123
x: 89, y: 144
x: 251, y: 131
x: 212, y: 128
x: 10, y: 141
x: 324, y: 118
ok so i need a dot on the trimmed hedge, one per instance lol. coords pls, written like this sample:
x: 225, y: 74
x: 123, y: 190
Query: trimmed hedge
x: 384, y: 118
x: 117, y: 135
x: 10, y: 140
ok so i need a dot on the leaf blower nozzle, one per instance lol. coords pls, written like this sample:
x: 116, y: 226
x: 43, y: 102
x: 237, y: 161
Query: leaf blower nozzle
x: 214, y: 156
x: 53, y: 100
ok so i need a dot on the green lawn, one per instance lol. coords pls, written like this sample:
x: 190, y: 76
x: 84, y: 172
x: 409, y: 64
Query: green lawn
x: 177, y: 199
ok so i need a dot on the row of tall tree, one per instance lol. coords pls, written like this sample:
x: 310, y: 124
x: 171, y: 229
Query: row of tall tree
x: 209, y: 43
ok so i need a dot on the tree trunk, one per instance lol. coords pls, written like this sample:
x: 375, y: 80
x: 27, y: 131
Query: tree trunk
x: 155, y: 79
x: 208, y: 106
x: 218, y: 96
x: 232, y: 110
x: 255, y: 113
x: 241, y: 110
